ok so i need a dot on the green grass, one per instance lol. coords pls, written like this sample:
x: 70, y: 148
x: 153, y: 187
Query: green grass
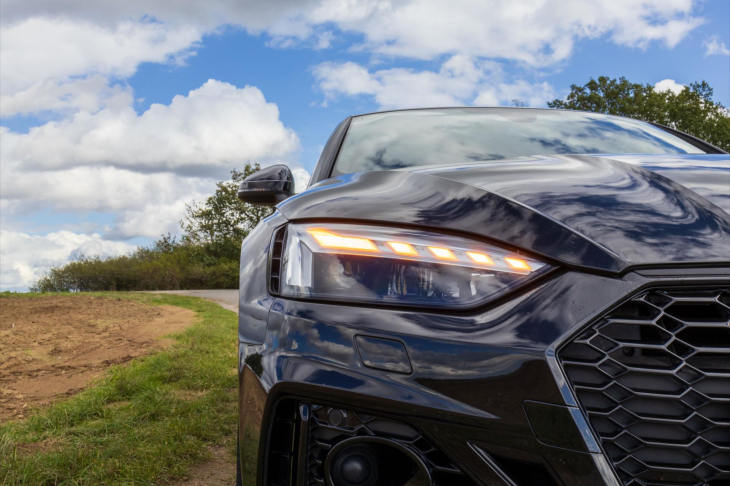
x: 143, y: 423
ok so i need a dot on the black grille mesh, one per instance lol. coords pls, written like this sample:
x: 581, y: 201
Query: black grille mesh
x: 653, y: 377
x: 325, y: 433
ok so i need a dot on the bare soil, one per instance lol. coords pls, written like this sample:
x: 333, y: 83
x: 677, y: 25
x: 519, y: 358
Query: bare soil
x: 220, y: 470
x: 53, y: 347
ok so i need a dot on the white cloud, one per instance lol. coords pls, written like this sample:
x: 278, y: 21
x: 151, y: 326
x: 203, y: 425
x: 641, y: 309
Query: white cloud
x: 66, y: 96
x: 24, y: 258
x: 459, y: 81
x: 535, y: 95
x: 142, y: 167
x: 49, y: 49
x: 669, y: 85
x: 537, y: 32
x: 301, y: 178
x: 45, y: 39
x: 253, y: 15
x: 713, y: 46
x: 95, y: 189
x: 39, y: 49
x: 216, y: 127
x: 155, y: 218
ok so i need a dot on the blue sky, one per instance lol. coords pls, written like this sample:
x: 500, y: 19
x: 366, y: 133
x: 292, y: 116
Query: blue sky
x: 88, y: 166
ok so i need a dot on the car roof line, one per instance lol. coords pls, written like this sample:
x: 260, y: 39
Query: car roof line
x: 426, y: 108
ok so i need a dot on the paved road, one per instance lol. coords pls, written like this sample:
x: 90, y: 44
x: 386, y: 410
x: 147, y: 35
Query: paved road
x: 228, y: 299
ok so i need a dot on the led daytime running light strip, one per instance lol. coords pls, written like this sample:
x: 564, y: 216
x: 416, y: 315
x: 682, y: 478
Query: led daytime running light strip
x: 329, y: 240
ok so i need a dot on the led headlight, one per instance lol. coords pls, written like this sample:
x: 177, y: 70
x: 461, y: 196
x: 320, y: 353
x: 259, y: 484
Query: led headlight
x: 397, y: 266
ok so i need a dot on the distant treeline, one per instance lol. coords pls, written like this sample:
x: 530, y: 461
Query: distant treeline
x: 205, y: 257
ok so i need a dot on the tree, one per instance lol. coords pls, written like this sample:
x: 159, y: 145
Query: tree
x: 222, y: 221
x: 692, y: 110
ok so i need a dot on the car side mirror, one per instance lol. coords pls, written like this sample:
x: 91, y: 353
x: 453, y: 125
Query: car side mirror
x: 267, y: 187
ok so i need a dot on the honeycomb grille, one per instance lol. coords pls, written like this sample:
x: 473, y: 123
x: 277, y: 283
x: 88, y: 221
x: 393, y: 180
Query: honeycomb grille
x: 653, y: 377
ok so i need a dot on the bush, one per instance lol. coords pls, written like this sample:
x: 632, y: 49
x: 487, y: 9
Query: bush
x: 185, y: 266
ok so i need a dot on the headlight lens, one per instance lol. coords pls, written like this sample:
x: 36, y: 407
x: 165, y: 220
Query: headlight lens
x: 397, y: 266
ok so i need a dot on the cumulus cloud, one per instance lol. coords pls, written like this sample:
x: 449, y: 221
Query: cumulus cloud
x: 44, y: 39
x: 669, y: 85
x: 214, y: 128
x: 24, y: 258
x: 96, y: 189
x: 51, y: 51
x: 39, y: 49
x: 534, y: 94
x: 460, y: 81
x: 537, y: 32
x: 85, y: 94
x: 713, y: 46
x: 143, y: 167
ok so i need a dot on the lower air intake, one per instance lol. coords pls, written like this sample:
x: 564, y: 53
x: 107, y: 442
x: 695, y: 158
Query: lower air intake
x: 329, y: 427
x: 653, y: 376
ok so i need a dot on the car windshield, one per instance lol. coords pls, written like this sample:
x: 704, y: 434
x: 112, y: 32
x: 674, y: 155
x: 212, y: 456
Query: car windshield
x: 403, y: 139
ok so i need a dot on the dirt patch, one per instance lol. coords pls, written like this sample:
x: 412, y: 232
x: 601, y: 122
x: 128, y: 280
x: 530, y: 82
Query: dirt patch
x: 52, y: 347
x: 50, y: 445
x: 220, y: 470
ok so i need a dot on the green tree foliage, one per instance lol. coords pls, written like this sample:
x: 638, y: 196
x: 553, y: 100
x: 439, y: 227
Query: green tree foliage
x: 223, y: 221
x: 205, y: 257
x: 692, y: 110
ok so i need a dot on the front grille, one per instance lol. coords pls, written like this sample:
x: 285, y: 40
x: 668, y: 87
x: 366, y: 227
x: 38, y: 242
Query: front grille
x: 653, y: 376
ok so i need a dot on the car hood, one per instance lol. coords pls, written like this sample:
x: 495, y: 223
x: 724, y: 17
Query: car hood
x: 602, y: 212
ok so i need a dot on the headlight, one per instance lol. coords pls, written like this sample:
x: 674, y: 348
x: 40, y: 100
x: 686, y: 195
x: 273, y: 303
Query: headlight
x: 396, y: 266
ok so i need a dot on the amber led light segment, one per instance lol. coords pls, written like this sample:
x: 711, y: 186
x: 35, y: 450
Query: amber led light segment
x: 442, y: 253
x: 327, y: 239
x: 480, y: 258
x: 517, y: 264
x: 402, y: 248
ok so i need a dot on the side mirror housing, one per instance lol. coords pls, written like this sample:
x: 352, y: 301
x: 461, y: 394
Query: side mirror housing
x: 267, y: 187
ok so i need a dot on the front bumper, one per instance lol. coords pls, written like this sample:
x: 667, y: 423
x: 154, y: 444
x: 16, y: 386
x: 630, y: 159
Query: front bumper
x: 485, y: 391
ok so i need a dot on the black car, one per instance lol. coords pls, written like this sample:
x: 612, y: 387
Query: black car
x: 489, y: 296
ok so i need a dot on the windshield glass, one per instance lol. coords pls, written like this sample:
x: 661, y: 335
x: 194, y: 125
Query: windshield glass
x: 402, y: 139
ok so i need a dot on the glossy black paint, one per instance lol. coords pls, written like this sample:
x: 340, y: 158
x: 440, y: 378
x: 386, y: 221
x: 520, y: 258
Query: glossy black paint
x: 383, y: 354
x: 585, y: 211
x: 553, y: 425
x: 268, y: 186
x: 254, y: 300
x: 706, y: 147
x: 329, y: 153
x: 614, y: 226
x: 706, y: 175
